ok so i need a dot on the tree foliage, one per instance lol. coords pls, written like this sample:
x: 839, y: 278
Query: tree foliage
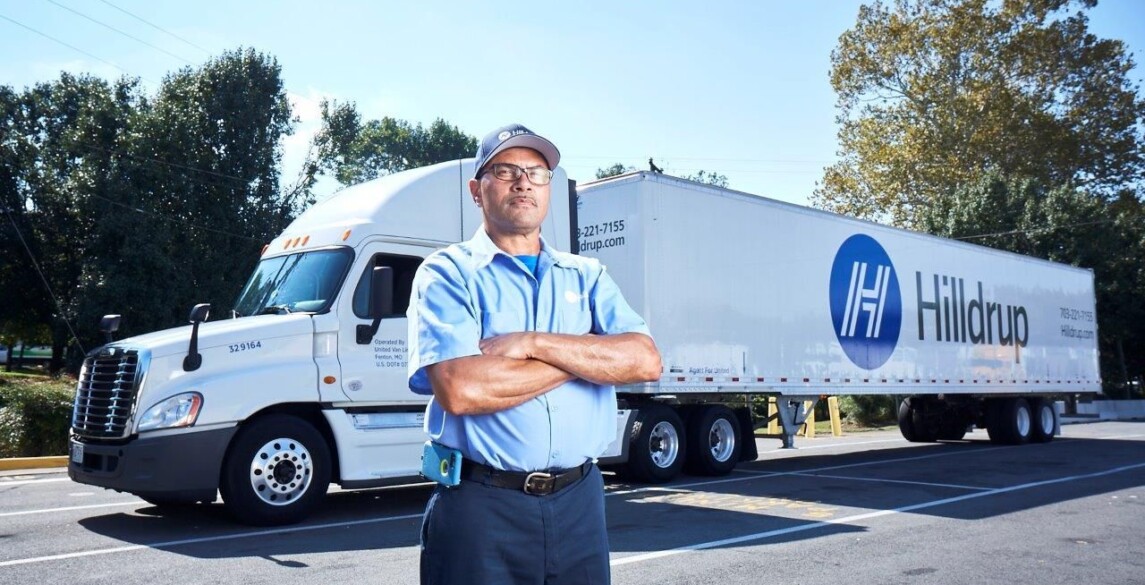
x: 146, y: 205
x: 709, y: 178
x: 933, y: 93
x: 135, y: 205
x: 613, y: 170
x: 353, y: 151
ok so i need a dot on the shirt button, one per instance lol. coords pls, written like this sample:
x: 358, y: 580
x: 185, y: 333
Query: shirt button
x: 555, y: 455
x: 553, y: 408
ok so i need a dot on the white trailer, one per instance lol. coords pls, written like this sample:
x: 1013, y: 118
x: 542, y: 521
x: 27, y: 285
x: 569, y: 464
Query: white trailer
x: 745, y: 296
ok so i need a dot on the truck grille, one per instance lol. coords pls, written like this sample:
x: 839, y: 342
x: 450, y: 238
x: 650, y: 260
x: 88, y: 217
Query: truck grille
x: 106, y: 392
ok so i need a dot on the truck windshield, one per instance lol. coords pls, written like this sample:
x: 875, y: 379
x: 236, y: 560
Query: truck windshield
x: 306, y: 282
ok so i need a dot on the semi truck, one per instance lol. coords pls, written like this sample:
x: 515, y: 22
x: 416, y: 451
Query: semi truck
x: 305, y: 383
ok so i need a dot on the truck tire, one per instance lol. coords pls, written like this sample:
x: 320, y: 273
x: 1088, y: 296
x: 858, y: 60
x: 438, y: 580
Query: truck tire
x: 1043, y: 420
x: 276, y: 471
x: 906, y: 421
x: 914, y: 425
x: 1010, y: 421
x: 713, y: 441
x: 656, y: 448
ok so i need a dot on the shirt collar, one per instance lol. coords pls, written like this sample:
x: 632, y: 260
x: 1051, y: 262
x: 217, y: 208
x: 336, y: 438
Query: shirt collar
x: 484, y: 250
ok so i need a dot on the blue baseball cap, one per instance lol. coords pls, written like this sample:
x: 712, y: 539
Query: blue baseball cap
x: 514, y: 136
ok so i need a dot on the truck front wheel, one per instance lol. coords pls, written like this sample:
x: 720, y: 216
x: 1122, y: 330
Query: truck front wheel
x: 277, y: 470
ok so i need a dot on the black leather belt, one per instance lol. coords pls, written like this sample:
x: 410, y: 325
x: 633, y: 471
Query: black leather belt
x: 537, y: 483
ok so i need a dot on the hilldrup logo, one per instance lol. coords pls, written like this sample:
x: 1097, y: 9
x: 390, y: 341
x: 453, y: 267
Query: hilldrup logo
x: 866, y: 304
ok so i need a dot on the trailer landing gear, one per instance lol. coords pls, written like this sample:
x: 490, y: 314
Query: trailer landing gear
x: 793, y: 412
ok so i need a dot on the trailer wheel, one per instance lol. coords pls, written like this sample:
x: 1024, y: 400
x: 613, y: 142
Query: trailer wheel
x: 906, y: 421
x: 276, y: 471
x: 914, y: 425
x: 1010, y: 421
x: 713, y: 441
x: 656, y: 450
x: 1044, y: 419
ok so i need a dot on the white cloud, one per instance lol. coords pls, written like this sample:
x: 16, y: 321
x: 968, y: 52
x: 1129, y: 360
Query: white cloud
x: 307, y: 107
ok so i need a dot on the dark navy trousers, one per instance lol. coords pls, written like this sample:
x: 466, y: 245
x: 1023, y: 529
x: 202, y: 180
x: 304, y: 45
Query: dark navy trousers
x: 476, y: 534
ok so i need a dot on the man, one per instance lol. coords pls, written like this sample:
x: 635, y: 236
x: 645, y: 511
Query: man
x: 521, y: 347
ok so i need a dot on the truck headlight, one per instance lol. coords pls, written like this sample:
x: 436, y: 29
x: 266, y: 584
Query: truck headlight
x: 180, y: 410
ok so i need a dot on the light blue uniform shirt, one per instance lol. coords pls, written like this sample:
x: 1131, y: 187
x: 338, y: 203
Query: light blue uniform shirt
x: 473, y: 290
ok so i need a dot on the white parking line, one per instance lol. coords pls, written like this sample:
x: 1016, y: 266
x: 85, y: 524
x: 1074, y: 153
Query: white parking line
x: 859, y: 517
x: 174, y: 543
x: 69, y: 508
x: 4, y: 484
x: 903, y: 481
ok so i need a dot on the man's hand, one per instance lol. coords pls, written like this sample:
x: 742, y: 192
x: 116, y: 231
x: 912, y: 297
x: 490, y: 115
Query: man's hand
x: 518, y: 346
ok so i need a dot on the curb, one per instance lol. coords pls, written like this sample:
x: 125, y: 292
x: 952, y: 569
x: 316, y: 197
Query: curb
x: 33, y: 462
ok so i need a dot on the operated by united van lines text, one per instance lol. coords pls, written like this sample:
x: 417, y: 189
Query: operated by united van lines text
x: 389, y: 353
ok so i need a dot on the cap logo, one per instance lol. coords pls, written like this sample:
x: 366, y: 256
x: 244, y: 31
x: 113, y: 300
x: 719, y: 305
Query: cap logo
x: 502, y: 137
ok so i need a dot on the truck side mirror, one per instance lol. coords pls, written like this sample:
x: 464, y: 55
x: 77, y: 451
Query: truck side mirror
x: 381, y: 302
x: 194, y: 359
x: 109, y: 324
x: 199, y: 313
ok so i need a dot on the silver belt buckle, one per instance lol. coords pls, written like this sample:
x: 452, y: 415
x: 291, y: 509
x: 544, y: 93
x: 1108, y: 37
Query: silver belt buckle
x: 539, y: 483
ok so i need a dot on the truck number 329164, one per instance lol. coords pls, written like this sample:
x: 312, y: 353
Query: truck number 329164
x: 244, y: 346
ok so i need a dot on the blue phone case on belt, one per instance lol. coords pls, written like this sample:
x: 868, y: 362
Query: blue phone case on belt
x: 441, y: 464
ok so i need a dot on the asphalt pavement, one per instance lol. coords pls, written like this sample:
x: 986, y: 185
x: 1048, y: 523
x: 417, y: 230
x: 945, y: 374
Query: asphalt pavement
x: 863, y: 508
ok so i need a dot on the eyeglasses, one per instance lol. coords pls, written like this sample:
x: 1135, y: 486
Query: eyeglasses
x: 511, y: 172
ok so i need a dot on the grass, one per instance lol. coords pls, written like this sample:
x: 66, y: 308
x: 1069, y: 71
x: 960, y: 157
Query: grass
x: 24, y: 372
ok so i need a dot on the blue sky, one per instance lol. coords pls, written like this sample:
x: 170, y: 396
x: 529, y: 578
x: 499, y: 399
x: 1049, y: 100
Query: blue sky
x: 739, y: 88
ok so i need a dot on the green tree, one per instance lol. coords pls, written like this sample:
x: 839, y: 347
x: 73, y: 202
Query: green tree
x: 933, y: 93
x: 709, y: 178
x: 139, y: 206
x: 20, y: 309
x: 200, y: 199
x: 353, y: 151
x: 614, y: 170
x: 61, y: 137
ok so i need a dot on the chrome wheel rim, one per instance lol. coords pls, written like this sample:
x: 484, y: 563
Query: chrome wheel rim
x: 281, y: 471
x: 721, y: 440
x: 664, y: 444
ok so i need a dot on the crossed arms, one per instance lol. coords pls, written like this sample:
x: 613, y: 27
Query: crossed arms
x: 517, y: 367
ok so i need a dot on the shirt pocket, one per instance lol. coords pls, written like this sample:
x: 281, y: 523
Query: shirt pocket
x: 494, y: 323
x: 572, y: 315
